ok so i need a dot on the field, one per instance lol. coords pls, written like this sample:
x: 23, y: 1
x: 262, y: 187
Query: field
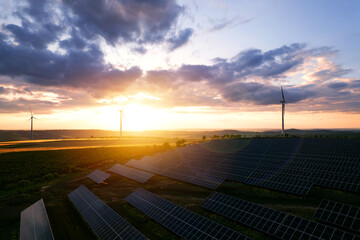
x: 27, y: 176
x: 57, y: 144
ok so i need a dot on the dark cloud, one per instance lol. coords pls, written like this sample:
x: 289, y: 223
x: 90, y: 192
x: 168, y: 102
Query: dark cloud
x: 37, y: 39
x: 249, y: 63
x: 139, y: 21
x: 21, y: 105
x: 83, y: 69
x: 181, y: 39
x: 74, y: 42
x: 141, y: 50
x: 3, y: 90
x: 40, y: 24
x: 337, y: 85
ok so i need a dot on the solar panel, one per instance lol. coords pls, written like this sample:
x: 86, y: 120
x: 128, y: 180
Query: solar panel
x: 299, y: 228
x: 34, y: 223
x: 183, y: 222
x: 102, y: 219
x: 132, y: 173
x: 253, y: 215
x: 98, y: 176
x: 339, y: 214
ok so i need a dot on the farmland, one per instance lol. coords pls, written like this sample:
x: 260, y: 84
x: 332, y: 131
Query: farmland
x: 27, y: 176
x: 58, y: 144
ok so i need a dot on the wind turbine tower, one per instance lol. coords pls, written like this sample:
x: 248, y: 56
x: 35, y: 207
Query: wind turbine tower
x: 32, y: 123
x: 121, y: 115
x: 283, y: 111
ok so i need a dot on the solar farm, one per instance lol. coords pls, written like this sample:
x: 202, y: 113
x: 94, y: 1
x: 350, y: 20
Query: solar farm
x: 261, y: 188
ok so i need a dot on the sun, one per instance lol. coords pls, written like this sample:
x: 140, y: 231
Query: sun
x: 137, y: 117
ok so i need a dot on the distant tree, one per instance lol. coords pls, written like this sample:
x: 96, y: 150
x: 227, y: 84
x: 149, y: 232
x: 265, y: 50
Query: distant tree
x: 286, y: 135
x: 180, y: 142
x: 166, y: 145
x: 203, y: 138
x: 216, y: 137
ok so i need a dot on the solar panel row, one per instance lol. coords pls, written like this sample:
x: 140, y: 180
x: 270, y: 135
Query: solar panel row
x: 132, y: 173
x: 98, y: 176
x: 339, y: 214
x: 287, y: 165
x: 34, y: 223
x: 184, y: 223
x: 102, y: 219
x: 270, y: 221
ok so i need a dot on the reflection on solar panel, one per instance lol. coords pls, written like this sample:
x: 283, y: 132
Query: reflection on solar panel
x: 34, y: 223
x: 102, y: 219
x: 339, y: 214
x: 171, y: 166
x: 261, y: 218
x: 134, y: 174
x: 300, y: 228
x: 98, y: 176
x: 185, y: 223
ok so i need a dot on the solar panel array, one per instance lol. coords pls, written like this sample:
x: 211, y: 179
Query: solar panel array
x: 184, y: 223
x: 253, y: 215
x: 270, y: 221
x: 98, y: 176
x: 132, y: 173
x: 339, y: 214
x: 102, y: 219
x: 34, y: 223
x: 290, y: 165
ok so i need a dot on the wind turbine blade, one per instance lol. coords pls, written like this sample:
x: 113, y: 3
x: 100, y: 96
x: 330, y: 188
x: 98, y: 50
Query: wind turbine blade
x: 30, y: 111
x: 282, y: 93
x: 123, y: 115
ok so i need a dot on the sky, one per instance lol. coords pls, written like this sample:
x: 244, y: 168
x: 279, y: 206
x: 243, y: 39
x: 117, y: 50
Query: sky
x: 179, y: 64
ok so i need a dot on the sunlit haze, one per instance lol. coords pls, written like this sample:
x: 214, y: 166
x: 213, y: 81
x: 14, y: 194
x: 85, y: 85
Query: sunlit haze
x: 179, y: 64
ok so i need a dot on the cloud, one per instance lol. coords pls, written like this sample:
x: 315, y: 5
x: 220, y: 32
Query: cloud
x: 58, y: 43
x: 125, y: 21
x: 181, y: 39
x: 337, y: 85
x: 252, y: 78
x: 3, y: 90
x: 220, y: 24
x: 330, y: 73
x: 262, y: 94
x: 36, y: 39
x: 248, y: 63
x: 81, y: 69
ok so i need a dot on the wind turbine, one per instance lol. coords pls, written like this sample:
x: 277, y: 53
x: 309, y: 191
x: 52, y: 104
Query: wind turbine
x: 32, y: 122
x: 283, y: 110
x: 121, y: 115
